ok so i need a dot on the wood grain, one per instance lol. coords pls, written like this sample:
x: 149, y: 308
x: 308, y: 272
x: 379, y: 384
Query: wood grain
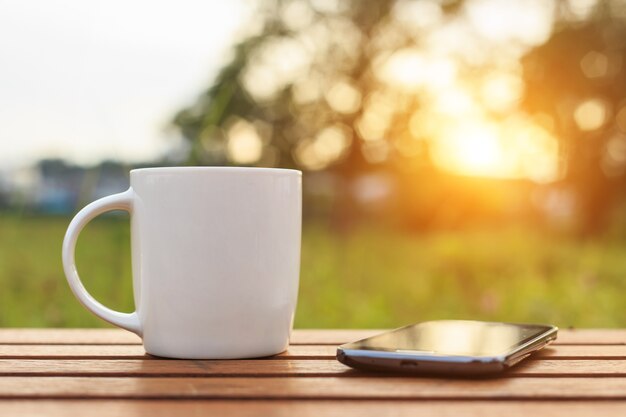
x: 68, y: 336
x: 306, y: 408
x: 262, y: 368
x: 106, y: 372
x: 591, y: 337
x: 165, y: 367
x: 387, y: 387
x: 118, y: 336
x: 14, y: 351
x: 565, y: 336
x: 583, y: 351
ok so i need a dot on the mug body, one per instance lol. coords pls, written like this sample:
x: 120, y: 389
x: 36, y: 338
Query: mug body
x: 216, y: 259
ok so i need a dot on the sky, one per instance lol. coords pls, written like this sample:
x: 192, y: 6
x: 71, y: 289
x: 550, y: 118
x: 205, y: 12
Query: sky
x: 92, y: 80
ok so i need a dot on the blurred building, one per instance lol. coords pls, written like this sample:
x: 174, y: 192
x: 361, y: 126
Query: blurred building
x: 57, y: 187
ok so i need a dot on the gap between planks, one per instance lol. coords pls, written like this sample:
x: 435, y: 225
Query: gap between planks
x: 388, y: 388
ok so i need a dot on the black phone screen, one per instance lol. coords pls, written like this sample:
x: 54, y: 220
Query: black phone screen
x: 453, y: 337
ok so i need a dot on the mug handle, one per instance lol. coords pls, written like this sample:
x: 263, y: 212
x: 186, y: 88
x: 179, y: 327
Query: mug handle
x: 121, y: 201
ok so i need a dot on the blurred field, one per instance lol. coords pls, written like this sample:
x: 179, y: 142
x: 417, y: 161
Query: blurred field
x: 368, y: 278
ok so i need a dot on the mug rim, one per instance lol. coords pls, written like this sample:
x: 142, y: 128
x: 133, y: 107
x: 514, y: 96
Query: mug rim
x: 189, y: 169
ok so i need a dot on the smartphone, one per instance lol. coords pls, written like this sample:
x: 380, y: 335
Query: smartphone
x: 460, y: 347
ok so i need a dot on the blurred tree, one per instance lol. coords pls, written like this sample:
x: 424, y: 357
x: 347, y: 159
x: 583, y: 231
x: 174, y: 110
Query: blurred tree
x: 305, y: 92
x: 296, y: 87
x: 411, y: 87
x: 576, y: 83
x: 292, y: 92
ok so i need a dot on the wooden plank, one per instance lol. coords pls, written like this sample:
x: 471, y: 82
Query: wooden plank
x: 389, y: 388
x: 294, y: 352
x: 13, y: 351
x: 305, y: 408
x: 299, y: 337
x: 565, y: 336
x: 73, y: 351
x: 573, y: 367
x: 118, y: 336
x: 165, y: 367
x: 258, y: 368
x: 330, y: 336
x: 591, y: 337
x: 582, y: 352
x: 67, y: 336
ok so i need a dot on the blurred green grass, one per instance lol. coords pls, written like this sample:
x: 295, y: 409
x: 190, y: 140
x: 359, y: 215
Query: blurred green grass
x: 367, y: 278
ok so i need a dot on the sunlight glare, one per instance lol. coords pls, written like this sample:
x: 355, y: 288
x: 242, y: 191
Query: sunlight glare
x: 417, y: 14
x: 410, y: 69
x: 455, y: 101
x: 534, y: 151
x: 525, y: 21
x: 279, y: 62
x: 501, y: 92
x: 245, y: 146
x: 423, y: 124
x: 581, y: 9
x: 332, y: 142
x: 376, y: 117
x: 471, y: 148
x: 590, y: 114
x: 440, y: 72
x: 515, y: 148
x: 344, y: 97
x: 297, y: 14
x: 404, y: 68
x: 328, y: 146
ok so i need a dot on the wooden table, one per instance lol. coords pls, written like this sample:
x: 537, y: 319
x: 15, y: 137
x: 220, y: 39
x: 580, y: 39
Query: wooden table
x: 106, y: 372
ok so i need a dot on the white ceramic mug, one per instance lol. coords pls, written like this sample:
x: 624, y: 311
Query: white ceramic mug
x: 215, y: 258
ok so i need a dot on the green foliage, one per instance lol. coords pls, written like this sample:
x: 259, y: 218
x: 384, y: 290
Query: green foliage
x: 34, y: 292
x: 377, y: 278
x: 368, y: 278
